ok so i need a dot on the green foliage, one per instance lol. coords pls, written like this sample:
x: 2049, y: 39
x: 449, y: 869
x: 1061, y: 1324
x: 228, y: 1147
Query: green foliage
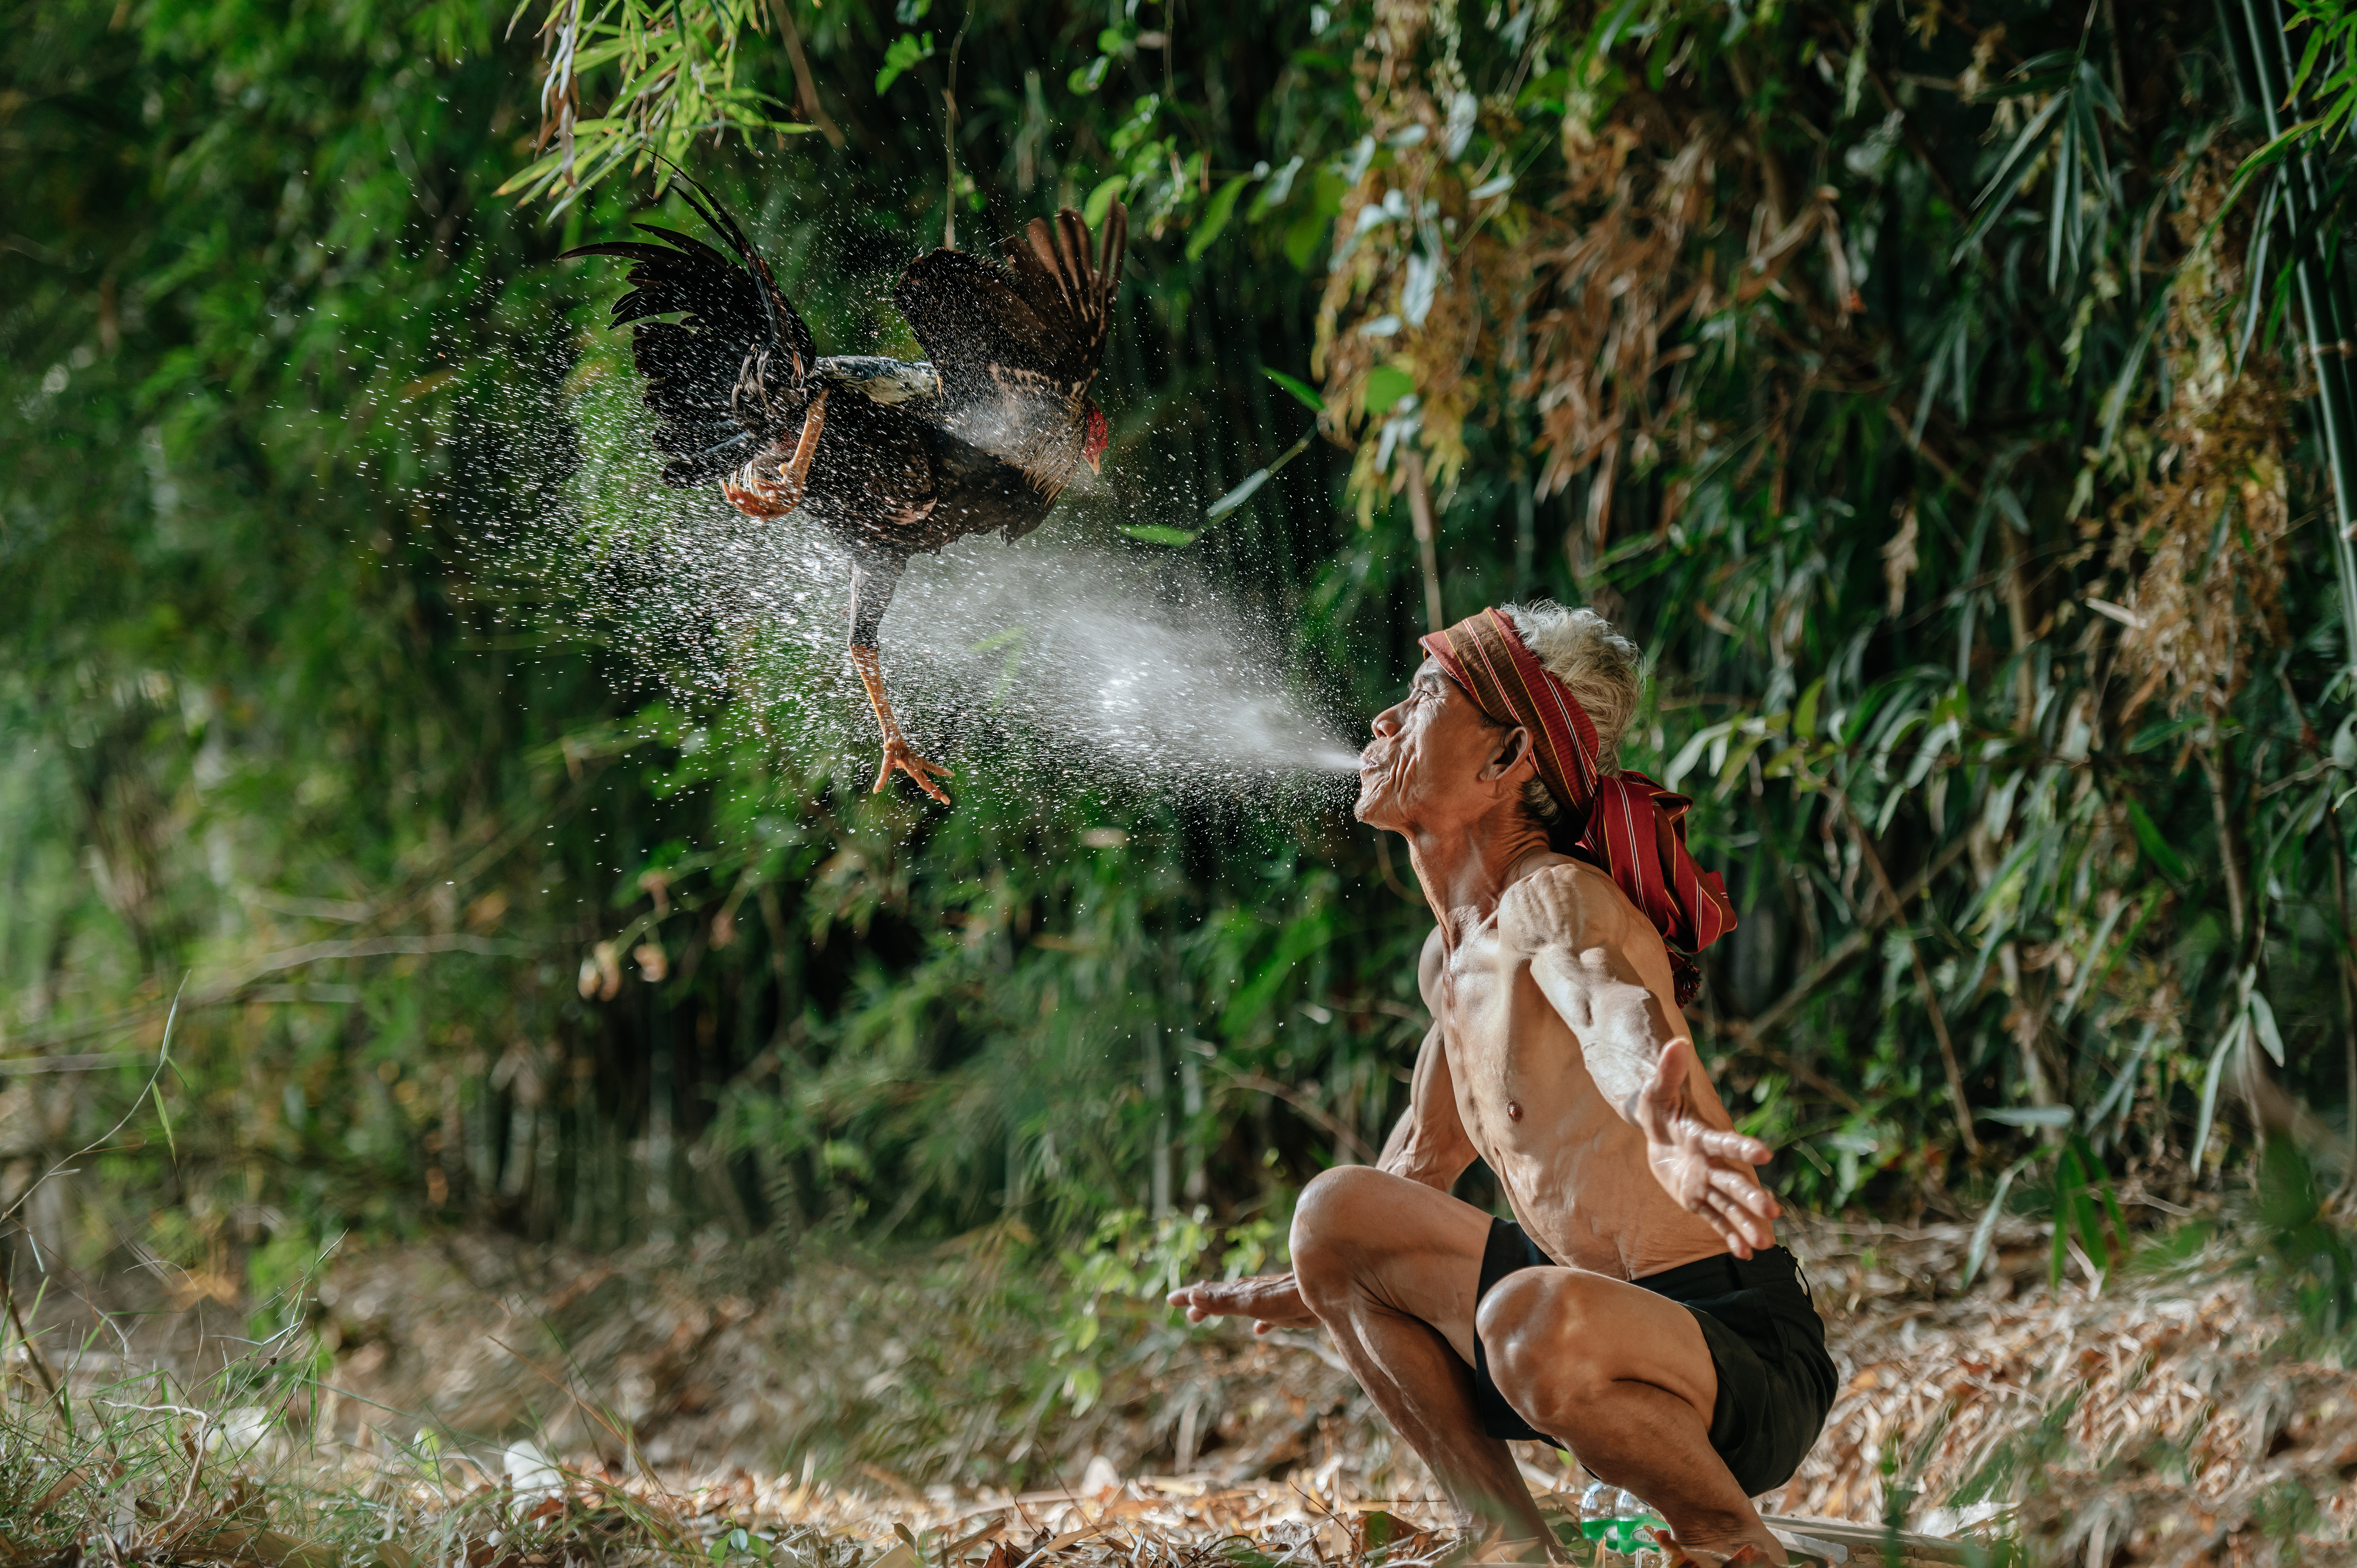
x: 2086, y: 1209
x: 672, y: 72
x: 478, y: 931
x: 2310, y: 1254
x: 2327, y: 64
x: 1130, y: 1263
x: 906, y: 51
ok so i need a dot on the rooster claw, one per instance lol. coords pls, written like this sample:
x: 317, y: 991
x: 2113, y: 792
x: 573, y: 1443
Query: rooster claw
x: 757, y: 499
x: 897, y: 754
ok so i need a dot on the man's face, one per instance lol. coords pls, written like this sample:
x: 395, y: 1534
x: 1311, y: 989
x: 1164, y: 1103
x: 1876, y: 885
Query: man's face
x: 1436, y: 757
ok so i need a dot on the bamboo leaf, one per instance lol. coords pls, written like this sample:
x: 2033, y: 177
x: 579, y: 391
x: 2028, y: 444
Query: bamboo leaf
x: 2030, y: 1115
x: 2008, y: 172
x: 1977, y: 1253
x: 1804, y: 711
x: 2116, y: 401
x: 2263, y: 1022
x: 2209, y: 1107
x: 2061, y: 204
x: 2087, y: 967
x: 2066, y: 1182
x: 1101, y: 199
x: 2156, y: 848
x: 2123, y: 1088
x: 1303, y: 392
x: 1691, y: 753
x: 1386, y: 386
x: 2103, y: 1203
x: 902, y: 56
x: 1155, y: 534
x: 1216, y: 214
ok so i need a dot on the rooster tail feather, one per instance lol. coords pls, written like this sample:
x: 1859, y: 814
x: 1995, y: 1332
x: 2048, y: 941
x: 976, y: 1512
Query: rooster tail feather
x: 1048, y: 259
x: 1115, y: 241
x: 1073, y: 258
x: 773, y: 300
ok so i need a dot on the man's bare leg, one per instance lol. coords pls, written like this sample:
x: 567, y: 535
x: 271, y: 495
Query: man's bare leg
x: 1625, y: 1377
x: 1622, y: 1375
x: 1390, y: 1268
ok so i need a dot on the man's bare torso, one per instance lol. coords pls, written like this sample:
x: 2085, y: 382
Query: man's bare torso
x: 1572, y: 1168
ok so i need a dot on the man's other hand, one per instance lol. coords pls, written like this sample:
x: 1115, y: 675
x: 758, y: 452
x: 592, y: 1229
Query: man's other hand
x: 1271, y: 1301
x: 1706, y: 1169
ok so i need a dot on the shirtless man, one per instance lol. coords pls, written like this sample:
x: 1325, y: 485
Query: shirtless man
x: 1638, y: 1309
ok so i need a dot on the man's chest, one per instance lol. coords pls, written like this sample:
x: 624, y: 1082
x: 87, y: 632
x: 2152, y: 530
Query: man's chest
x: 1495, y: 1021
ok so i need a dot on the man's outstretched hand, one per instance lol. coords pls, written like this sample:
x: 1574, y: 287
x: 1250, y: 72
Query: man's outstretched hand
x: 1706, y: 1169
x: 1271, y: 1301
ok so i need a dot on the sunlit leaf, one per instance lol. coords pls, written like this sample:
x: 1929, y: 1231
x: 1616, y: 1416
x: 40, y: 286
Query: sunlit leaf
x: 1302, y: 392
x: 902, y: 56
x: 1386, y: 385
x: 2157, y: 848
x: 1977, y: 1252
x: 2030, y: 1115
x: 1216, y: 214
x: 1101, y: 199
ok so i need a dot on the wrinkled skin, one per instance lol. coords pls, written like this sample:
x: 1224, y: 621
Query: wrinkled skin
x: 1558, y: 1056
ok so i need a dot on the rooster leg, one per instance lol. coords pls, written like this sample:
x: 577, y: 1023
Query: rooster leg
x: 898, y: 752
x: 872, y: 582
x: 756, y: 494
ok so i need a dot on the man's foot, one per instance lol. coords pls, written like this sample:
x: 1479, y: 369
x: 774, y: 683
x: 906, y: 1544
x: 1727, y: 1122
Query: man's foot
x: 1749, y: 1554
x: 1529, y: 1550
x: 1491, y: 1549
x: 896, y: 754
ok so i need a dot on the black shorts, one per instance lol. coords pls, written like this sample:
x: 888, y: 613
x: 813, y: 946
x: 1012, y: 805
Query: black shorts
x: 1775, y: 1381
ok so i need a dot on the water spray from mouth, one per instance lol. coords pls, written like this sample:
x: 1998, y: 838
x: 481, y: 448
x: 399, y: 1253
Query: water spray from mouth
x: 1047, y: 656
x: 1055, y: 654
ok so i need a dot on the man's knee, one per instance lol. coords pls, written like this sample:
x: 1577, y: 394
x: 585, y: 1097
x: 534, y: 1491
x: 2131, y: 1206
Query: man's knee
x: 1332, y: 1227
x: 1538, y: 1332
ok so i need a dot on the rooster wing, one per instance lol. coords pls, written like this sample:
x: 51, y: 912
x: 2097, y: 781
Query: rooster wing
x: 1016, y: 344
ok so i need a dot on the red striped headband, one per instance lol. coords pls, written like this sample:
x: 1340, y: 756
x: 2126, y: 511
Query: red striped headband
x: 1626, y: 823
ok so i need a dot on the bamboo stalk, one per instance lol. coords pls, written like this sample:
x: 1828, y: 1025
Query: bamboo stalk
x: 1924, y: 987
x: 2345, y: 961
x: 1157, y: 1094
x: 949, y: 136
x: 1753, y: 1034
x: 806, y: 86
x: 1773, y: 1016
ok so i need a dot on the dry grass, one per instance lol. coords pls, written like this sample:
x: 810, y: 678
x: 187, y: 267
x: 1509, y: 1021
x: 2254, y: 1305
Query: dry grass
x: 2159, y: 1420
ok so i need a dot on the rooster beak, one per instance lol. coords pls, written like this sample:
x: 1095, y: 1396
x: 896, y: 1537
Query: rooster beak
x: 1096, y: 462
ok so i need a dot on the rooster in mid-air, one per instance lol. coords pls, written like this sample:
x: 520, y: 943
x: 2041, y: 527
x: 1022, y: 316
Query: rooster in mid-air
x: 892, y: 457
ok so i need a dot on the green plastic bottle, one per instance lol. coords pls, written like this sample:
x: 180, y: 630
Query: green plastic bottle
x: 1596, y: 1514
x: 1633, y: 1519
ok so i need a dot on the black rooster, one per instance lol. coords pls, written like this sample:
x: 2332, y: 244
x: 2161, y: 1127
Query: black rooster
x: 890, y: 455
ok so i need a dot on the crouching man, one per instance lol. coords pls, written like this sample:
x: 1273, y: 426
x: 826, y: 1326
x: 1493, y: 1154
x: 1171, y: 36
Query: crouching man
x: 1638, y: 1308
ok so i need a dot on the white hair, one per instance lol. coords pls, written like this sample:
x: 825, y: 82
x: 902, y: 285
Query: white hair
x: 1604, y: 669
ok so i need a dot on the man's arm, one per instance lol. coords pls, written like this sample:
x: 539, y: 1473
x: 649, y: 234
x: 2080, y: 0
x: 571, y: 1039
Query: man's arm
x: 1429, y: 1142
x: 1641, y: 1064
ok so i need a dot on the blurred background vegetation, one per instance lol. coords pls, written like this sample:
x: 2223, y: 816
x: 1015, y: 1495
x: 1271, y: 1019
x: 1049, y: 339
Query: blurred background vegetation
x: 1947, y: 395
